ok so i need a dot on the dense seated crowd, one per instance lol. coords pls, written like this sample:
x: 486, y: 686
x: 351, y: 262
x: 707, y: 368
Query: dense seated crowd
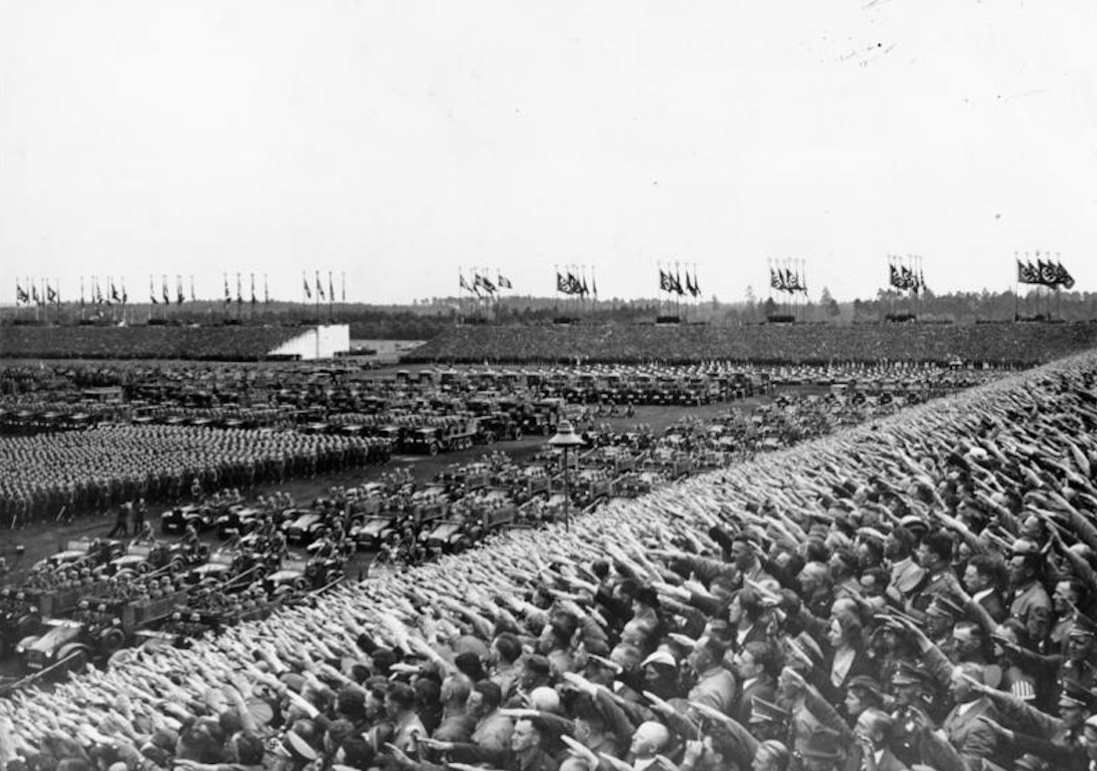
x: 102, y: 467
x: 919, y: 593
x: 776, y: 343
x: 243, y: 343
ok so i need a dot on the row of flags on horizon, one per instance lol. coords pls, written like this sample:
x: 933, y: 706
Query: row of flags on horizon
x: 672, y: 282
x: 573, y: 281
x: 111, y: 293
x: 309, y: 290
x: 906, y: 273
x: 1044, y: 272
x: 788, y: 279
x: 27, y: 293
x: 482, y: 284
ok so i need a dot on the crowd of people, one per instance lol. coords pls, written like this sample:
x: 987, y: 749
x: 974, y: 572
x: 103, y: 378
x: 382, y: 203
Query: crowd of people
x: 210, y: 343
x: 777, y: 343
x: 103, y: 467
x: 918, y: 593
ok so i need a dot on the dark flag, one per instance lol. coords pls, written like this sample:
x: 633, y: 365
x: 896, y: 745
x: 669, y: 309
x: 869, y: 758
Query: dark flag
x: 164, y: 289
x: 319, y: 287
x: 465, y: 284
x: 504, y: 282
x: 666, y: 284
x: 51, y: 295
x: 696, y: 284
x: 114, y: 293
x: 331, y: 289
x: 253, y: 300
x: 561, y: 284
x: 1063, y: 277
x: 304, y: 282
x: 1048, y: 275
x: 893, y: 276
x: 777, y: 279
x: 1022, y: 272
x: 21, y: 297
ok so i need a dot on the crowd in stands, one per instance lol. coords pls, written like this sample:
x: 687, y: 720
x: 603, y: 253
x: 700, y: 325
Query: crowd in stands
x: 774, y: 343
x: 213, y: 343
x: 914, y: 594
x: 102, y: 467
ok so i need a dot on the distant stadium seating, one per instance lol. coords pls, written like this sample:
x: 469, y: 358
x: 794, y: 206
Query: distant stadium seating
x: 998, y: 344
x: 213, y: 343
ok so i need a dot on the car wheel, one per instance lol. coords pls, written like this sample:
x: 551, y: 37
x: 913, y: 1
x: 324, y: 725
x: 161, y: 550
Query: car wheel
x: 78, y: 661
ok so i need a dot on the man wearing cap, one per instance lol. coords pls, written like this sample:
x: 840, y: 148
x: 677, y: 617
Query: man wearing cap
x: 661, y: 674
x: 769, y: 720
x: 821, y: 751
x: 1089, y: 739
x: 971, y: 737
x: 1061, y: 740
x: 1080, y: 646
x: 913, y: 691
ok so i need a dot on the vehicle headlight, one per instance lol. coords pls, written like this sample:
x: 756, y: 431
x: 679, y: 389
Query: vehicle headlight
x: 20, y: 649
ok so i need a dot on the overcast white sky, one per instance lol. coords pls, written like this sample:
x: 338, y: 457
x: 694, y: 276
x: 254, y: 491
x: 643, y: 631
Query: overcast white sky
x: 399, y: 141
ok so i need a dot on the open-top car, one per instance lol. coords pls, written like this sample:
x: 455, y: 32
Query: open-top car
x: 177, y: 520
x: 238, y: 520
x: 302, y: 526
x: 227, y: 565
x: 84, y: 552
x: 146, y: 557
x: 371, y: 532
x: 70, y: 644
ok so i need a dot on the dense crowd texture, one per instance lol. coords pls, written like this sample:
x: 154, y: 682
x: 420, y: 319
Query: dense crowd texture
x: 914, y: 593
x: 775, y: 343
x: 228, y: 343
x: 109, y: 464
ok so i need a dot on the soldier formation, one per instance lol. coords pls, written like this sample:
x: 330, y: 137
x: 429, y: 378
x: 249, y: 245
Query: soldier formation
x: 916, y: 593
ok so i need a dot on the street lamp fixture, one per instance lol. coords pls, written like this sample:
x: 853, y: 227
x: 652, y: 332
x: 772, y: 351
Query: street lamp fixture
x: 565, y: 439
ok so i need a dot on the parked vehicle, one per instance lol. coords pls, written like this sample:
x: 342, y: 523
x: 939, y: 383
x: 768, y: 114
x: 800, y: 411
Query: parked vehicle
x: 176, y: 520
x: 82, y: 552
x: 145, y: 557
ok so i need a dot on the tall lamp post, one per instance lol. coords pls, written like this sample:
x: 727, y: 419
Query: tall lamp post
x: 566, y: 438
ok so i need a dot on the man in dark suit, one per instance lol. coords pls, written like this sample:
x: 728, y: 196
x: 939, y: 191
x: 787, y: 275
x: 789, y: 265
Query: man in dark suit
x: 982, y: 577
x: 754, y: 666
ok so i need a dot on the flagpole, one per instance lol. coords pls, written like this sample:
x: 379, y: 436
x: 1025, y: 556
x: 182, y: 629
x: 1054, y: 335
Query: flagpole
x: 556, y: 268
